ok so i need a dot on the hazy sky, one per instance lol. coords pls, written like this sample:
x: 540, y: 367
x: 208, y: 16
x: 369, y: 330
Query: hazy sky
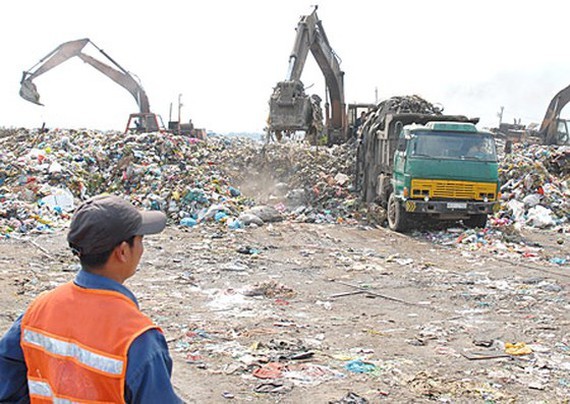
x: 226, y: 56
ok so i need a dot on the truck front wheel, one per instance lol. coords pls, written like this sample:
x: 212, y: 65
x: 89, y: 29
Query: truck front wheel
x: 476, y: 221
x: 397, y: 217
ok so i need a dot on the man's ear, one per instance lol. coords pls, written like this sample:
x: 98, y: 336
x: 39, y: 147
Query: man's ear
x: 121, y: 252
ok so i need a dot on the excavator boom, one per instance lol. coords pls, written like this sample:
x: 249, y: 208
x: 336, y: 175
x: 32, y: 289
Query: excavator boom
x: 122, y: 78
x: 329, y: 63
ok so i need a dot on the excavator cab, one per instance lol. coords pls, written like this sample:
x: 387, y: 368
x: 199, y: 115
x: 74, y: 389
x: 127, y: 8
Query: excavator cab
x: 562, y: 134
x: 354, y: 117
x: 143, y: 123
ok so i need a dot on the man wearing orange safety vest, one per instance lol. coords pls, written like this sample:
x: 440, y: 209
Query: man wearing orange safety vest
x: 87, y: 340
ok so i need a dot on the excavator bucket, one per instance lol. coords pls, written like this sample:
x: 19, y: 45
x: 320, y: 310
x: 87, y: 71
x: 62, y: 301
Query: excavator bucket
x: 289, y: 107
x: 29, y: 92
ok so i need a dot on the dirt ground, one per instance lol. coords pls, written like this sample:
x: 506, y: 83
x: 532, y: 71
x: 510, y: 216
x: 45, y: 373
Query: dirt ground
x: 291, y: 313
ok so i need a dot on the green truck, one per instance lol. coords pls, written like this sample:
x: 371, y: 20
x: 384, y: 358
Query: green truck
x: 427, y: 167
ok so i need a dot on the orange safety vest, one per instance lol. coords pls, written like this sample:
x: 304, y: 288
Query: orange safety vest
x: 75, y: 344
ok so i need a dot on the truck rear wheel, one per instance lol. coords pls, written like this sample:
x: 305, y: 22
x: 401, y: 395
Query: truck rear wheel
x: 476, y: 221
x: 397, y: 216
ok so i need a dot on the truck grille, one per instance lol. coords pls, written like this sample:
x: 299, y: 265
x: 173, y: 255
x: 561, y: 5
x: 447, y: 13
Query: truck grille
x: 445, y: 189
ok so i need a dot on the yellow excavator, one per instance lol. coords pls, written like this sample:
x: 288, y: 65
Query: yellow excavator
x: 142, y: 121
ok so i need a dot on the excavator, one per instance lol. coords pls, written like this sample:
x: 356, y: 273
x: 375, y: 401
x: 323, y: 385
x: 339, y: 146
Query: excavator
x: 141, y: 122
x: 553, y: 129
x: 290, y: 108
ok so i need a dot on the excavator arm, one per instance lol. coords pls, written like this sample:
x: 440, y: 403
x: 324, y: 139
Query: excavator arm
x: 550, y: 124
x: 305, y: 34
x: 289, y: 105
x: 329, y: 64
x: 67, y: 50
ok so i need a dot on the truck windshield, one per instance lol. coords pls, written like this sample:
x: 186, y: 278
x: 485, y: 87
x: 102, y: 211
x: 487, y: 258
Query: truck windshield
x: 453, y: 146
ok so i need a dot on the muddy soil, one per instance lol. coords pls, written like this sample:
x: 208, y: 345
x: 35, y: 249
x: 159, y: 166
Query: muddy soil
x: 307, y: 313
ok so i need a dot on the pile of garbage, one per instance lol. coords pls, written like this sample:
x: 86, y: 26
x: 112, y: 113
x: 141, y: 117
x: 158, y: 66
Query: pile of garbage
x: 307, y: 184
x: 536, y: 185
x: 535, y: 194
x: 399, y: 105
x: 408, y: 104
x: 234, y: 182
x: 45, y: 175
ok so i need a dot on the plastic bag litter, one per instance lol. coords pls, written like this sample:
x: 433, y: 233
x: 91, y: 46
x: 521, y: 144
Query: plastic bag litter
x: 250, y: 218
x: 266, y: 213
x: 540, y: 217
x: 60, y: 198
x: 531, y: 200
x: 520, y: 348
x: 188, y: 222
x: 359, y: 366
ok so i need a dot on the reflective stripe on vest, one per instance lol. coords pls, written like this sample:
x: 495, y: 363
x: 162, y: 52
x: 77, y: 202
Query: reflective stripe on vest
x: 69, y: 349
x: 39, y: 388
x: 44, y: 390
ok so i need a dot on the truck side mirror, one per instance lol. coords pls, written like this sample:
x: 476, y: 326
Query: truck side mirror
x: 401, y: 144
x: 398, y: 130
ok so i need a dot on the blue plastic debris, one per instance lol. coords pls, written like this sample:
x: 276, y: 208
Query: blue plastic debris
x: 188, y: 221
x: 359, y: 366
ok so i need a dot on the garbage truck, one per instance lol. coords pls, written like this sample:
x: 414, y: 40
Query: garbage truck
x: 424, y: 166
